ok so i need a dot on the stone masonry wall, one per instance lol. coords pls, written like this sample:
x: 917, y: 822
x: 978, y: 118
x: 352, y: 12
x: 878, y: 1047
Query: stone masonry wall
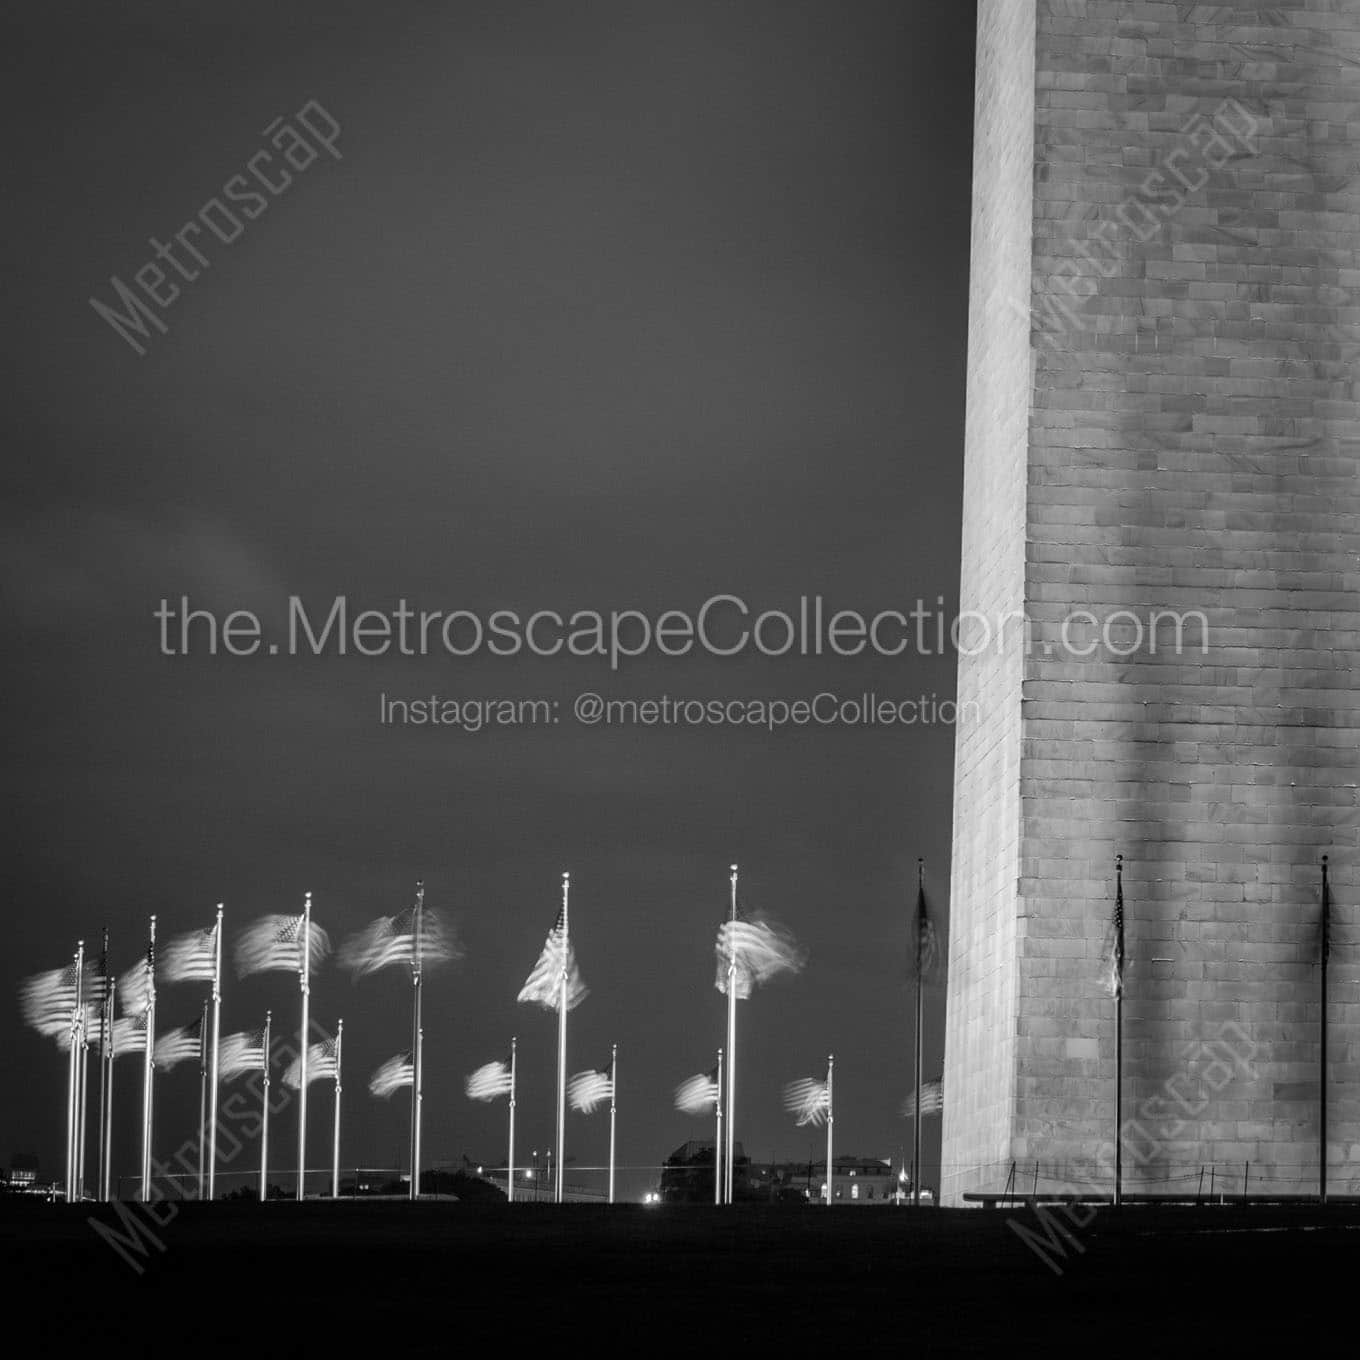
x: 1193, y: 446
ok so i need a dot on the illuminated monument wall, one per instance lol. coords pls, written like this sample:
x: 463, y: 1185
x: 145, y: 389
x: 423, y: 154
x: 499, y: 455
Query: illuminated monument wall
x: 1162, y: 415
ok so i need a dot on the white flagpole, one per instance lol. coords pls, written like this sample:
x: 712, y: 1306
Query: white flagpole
x: 106, y: 1105
x: 830, y: 1127
x: 731, y: 1049
x: 718, y: 1137
x: 335, y: 1145
x: 305, y: 974
x: 104, y: 1017
x: 82, y: 1088
x: 202, y: 1093
x: 149, y: 1066
x: 417, y: 1042
x: 216, y: 1040
x: 72, y: 1060
x: 613, y: 1093
x: 562, y: 1042
x: 264, y: 1115
x: 510, y: 1165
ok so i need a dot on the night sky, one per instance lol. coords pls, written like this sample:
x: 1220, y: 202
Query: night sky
x: 606, y: 306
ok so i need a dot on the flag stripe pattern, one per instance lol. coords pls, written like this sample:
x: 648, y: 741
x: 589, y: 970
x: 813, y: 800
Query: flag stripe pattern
x: 543, y: 986
x: 191, y: 957
x: 241, y: 1053
x: 177, y: 1046
x: 392, y: 1076
x: 808, y: 1099
x: 587, y: 1091
x: 390, y: 941
x: 321, y: 1063
x: 697, y: 1094
x: 932, y: 1100
x: 489, y: 1081
x: 753, y: 952
x: 274, y: 944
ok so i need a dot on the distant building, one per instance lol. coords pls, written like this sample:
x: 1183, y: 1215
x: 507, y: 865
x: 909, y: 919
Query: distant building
x: 861, y: 1181
x: 687, y: 1174
x: 22, y: 1178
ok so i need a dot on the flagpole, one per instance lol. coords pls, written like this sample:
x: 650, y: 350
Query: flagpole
x: 82, y: 1094
x: 1322, y: 1038
x: 920, y: 1047
x: 149, y: 1065
x: 101, y: 1163
x: 729, y: 1150
x: 264, y: 1115
x: 613, y: 1093
x: 216, y: 1040
x: 72, y: 1077
x: 417, y: 1041
x: 562, y: 1041
x: 1119, y: 1053
x: 202, y: 1092
x: 106, y: 1099
x: 830, y: 1129
x: 305, y: 943
x: 335, y: 1143
x: 510, y: 1164
x: 718, y: 1137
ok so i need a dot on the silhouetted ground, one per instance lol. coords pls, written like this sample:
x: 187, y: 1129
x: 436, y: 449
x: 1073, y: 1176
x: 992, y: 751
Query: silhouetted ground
x: 280, y: 1278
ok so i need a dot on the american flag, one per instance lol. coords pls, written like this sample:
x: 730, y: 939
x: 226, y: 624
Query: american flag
x: 240, y: 1053
x: 489, y: 1081
x: 48, y: 1001
x: 392, y: 940
x: 191, y: 957
x: 322, y: 1061
x: 1114, y: 949
x: 809, y: 1099
x: 932, y: 1100
x: 136, y: 987
x: 753, y: 952
x: 926, y: 945
x: 393, y: 1075
x: 274, y: 944
x: 127, y: 1034
x: 543, y: 986
x: 587, y: 1091
x: 698, y: 1094
x: 1326, y: 915
x: 179, y: 1045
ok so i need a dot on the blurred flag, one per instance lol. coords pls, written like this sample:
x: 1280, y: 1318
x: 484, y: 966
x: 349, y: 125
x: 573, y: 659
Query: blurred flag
x: 392, y: 1076
x: 587, y: 1091
x: 760, y: 950
x: 543, y: 986
x: 321, y: 1062
x: 179, y: 1045
x: 274, y: 944
x: 808, y: 1099
x: 697, y: 1094
x: 191, y: 957
x: 240, y: 1053
x: 932, y: 1100
x: 1114, y: 945
x: 135, y: 986
x: 489, y: 1081
x: 391, y: 941
x: 925, y: 959
x: 127, y: 1034
x: 1326, y: 915
x: 48, y: 1001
